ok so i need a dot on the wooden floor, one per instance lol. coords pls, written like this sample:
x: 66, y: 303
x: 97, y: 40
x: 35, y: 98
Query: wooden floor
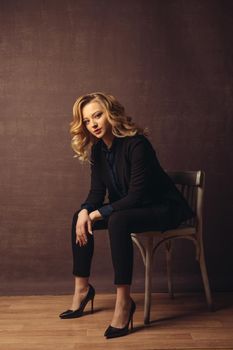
x: 32, y: 322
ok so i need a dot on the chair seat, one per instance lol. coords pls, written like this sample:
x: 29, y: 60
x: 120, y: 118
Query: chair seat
x: 183, y: 230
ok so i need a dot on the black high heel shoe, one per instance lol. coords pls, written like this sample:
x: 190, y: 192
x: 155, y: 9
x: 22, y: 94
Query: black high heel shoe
x: 78, y: 313
x: 112, y: 332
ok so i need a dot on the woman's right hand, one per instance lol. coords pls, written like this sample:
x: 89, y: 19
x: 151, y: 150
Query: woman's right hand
x: 83, y: 226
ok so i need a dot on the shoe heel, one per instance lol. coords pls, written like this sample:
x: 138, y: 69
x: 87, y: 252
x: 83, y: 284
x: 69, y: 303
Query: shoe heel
x: 131, y: 323
x: 92, y: 303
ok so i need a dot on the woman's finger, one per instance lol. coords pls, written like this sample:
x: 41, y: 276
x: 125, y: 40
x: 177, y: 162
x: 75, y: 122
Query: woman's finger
x: 82, y: 239
x: 89, y: 227
x: 78, y: 234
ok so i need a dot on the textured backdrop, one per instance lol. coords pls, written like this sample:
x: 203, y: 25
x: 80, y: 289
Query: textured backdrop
x: 170, y: 64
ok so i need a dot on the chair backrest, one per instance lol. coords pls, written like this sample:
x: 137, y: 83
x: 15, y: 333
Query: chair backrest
x: 192, y: 185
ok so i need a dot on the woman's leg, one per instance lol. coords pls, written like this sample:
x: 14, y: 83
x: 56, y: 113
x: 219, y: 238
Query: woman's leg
x: 120, y: 225
x: 82, y: 255
x: 82, y: 258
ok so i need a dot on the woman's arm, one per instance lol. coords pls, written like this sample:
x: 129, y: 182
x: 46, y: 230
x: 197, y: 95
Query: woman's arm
x: 96, y: 195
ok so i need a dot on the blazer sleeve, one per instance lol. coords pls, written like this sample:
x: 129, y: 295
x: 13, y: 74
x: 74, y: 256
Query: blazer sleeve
x: 105, y: 210
x: 138, y: 157
x: 96, y: 195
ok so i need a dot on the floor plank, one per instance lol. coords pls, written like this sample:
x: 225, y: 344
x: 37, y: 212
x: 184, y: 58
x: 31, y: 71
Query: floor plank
x: 32, y: 322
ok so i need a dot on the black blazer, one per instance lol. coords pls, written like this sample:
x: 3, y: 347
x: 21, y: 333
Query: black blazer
x: 141, y: 177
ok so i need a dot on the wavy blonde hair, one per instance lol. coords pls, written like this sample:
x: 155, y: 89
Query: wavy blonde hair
x: 122, y: 124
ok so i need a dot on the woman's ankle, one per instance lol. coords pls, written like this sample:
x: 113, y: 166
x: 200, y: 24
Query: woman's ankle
x: 81, y: 284
x: 123, y: 294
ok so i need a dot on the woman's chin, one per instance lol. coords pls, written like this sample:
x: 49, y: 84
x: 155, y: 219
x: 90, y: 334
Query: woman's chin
x: 99, y: 136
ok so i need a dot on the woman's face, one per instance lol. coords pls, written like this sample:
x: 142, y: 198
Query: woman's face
x: 95, y: 119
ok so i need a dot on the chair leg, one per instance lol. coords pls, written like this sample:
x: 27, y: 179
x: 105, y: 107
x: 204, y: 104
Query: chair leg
x: 148, y: 278
x: 169, y: 269
x: 205, y: 278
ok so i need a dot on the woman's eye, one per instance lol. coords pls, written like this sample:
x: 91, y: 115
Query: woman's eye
x: 97, y: 116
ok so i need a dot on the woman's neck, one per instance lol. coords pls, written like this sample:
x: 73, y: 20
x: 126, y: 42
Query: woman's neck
x: 108, y: 139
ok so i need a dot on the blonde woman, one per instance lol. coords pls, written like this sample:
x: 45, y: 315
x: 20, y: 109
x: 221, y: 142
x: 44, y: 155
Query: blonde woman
x: 141, y: 197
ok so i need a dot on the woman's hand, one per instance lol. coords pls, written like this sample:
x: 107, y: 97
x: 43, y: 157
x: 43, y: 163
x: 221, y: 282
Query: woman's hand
x: 83, y: 226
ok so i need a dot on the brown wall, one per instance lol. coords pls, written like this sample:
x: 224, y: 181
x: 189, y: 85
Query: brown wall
x: 170, y: 64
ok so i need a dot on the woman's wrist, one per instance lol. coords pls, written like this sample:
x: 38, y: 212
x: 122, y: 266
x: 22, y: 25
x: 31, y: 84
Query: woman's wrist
x: 95, y: 215
x: 99, y: 216
x: 83, y: 211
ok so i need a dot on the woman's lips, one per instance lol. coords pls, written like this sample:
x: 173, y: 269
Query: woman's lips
x: 98, y: 131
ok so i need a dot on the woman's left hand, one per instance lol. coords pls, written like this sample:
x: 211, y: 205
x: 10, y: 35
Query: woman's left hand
x: 95, y: 215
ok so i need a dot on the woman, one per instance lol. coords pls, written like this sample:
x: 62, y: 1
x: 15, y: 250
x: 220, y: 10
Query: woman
x: 141, y: 197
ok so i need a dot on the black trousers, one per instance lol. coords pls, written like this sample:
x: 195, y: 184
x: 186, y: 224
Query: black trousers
x: 120, y: 225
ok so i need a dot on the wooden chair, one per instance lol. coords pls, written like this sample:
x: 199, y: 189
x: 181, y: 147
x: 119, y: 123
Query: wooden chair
x: 191, y: 184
